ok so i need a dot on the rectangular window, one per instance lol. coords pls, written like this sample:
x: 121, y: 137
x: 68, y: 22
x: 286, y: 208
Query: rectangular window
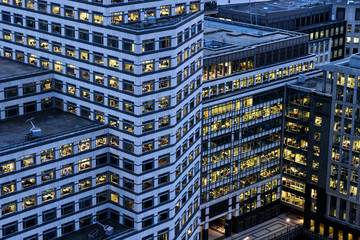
x: 84, y: 184
x: 48, y: 195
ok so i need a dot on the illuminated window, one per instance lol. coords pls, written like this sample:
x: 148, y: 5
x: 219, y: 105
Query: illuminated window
x: 8, y: 208
x: 318, y: 121
x: 7, y: 166
x: 28, y: 160
x: 98, y: 18
x: 67, y: 189
x: 66, y: 150
x: 29, y: 201
x: 48, y: 195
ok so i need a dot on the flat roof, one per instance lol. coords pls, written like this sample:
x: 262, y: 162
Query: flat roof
x: 266, y: 7
x: 52, y: 122
x: 222, y: 36
x: 315, y: 84
x: 82, y: 234
x: 11, y: 68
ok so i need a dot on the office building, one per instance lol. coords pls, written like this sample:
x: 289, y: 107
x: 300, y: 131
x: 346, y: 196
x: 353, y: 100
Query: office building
x: 245, y: 70
x: 306, y: 139
x: 327, y: 36
x: 126, y: 146
x: 340, y: 220
x: 350, y: 11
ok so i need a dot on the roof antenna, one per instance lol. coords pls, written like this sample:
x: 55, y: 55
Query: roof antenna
x: 35, y: 132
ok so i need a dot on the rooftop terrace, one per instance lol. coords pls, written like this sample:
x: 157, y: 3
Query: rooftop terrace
x: 223, y: 36
x: 10, y: 68
x: 82, y: 234
x: 52, y: 123
x: 314, y: 84
x: 267, y: 7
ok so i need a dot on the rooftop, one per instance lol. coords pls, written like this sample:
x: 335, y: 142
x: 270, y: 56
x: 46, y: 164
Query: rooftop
x: 52, y: 122
x: 273, y: 6
x: 82, y: 234
x: 314, y: 84
x: 223, y: 36
x: 11, y: 68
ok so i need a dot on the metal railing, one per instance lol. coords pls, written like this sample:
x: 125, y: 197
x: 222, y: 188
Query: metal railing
x: 289, y: 233
x: 120, y: 235
x: 293, y: 231
x: 60, y: 134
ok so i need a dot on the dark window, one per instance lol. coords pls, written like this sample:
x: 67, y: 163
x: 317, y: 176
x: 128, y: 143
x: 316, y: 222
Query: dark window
x: 148, y: 165
x: 128, y: 221
x: 163, y: 215
x: 114, y: 215
x: 85, y: 202
x: 29, y: 88
x: 148, y: 221
x: 67, y: 208
x: 84, y: 34
x: 6, y: 16
x: 49, y: 215
x: 128, y: 184
x: 148, y: 237
x: 163, y: 197
x: 30, y: 221
x: 11, y: 92
x: 32, y: 237
x: 128, y: 45
x: 30, y: 22
x: 128, y: 165
x: 18, y: 19
x: 50, y: 234
x: 340, y: 13
x: 98, y: 38
x: 85, y: 221
x: 148, y: 45
x: 101, y: 197
x: 129, y: 203
x: 69, y: 31
x: 12, y: 111
x: 67, y: 227
x: 102, y: 159
x: 114, y: 159
x: 164, y: 178
x: 30, y: 107
x: 113, y: 41
x: 148, y: 202
x: 42, y: 6
x: 128, y: 86
x: 165, y: 42
x: 357, y: 14
x: 10, y: 228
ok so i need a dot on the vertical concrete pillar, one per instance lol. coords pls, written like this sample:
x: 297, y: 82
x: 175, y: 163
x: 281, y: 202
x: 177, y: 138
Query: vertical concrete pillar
x: 205, y: 231
x: 228, y: 225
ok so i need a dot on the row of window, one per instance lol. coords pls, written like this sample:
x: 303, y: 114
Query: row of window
x: 255, y: 79
x: 99, y: 58
x: 216, y: 192
x: 98, y: 17
x: 127, y: 45
x: 127, y: 145
x: 33, y: 220
x: 327, y: 33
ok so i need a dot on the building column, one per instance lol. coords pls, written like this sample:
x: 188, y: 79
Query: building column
x: 236, y: 219
x: 228, y: 225
x: 205, y: 231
